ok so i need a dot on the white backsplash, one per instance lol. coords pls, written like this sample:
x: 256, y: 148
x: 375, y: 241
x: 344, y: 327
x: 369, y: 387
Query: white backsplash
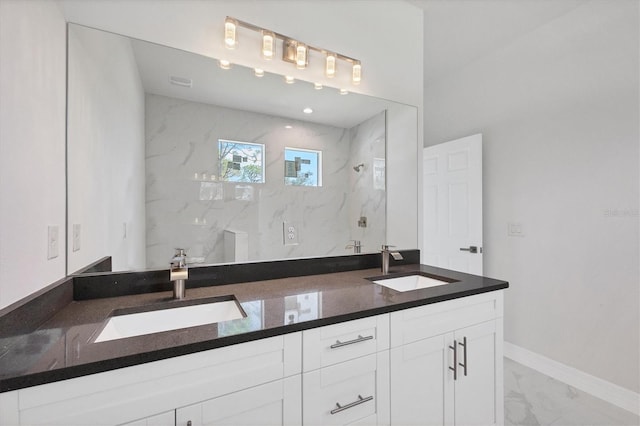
x: 188, y: 210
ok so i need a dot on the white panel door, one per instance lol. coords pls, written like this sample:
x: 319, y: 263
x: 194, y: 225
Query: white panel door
x: 452, y: 205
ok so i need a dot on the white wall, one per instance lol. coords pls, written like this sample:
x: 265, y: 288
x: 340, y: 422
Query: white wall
x: 105, y: 151
x: 32, y: 141
x: 558, y: 108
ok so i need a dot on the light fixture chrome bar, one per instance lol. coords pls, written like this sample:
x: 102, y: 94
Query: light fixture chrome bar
x: 283, y: 37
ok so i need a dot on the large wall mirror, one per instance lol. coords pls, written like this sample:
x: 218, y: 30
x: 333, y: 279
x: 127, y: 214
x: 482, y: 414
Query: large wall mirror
x: 166, y: 149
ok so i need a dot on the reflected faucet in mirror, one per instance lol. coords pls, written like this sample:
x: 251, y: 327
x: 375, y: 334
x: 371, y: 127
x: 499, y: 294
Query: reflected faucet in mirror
x: 356, y: 246
x: 179, y: 273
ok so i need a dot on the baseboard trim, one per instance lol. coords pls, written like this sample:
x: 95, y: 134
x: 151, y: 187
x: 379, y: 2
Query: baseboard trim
x: 610, y: 392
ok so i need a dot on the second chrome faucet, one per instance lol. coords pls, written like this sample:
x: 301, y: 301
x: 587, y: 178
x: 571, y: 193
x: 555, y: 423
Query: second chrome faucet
x: 386, y: 253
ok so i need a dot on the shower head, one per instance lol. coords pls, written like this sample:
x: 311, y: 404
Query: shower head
x: 358, y: 167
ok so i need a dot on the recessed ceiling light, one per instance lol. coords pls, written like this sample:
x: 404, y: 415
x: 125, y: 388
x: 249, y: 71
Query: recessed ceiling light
x: 307, y: 110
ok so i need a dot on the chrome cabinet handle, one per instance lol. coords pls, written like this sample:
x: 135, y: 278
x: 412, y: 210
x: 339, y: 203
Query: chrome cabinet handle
x: 464, y: 364
x: 339, y: 344
x: 359, y: 401
x: 455, y: 360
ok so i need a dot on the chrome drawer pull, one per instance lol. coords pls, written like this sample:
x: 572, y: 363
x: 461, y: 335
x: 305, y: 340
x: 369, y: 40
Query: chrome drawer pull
x: 339, y: 344
x: 360, y: 400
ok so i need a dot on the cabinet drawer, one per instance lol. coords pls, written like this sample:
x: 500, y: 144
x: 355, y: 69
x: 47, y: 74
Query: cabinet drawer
x: 414, y: 324
x: 352, y: 392
x: 124, y: 394
x: 336, y: 343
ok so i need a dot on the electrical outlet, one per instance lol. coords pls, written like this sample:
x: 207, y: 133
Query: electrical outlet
x: 52, y: 242
x: 76, y: 237
x: 515, y: 229
x: 289, y: 234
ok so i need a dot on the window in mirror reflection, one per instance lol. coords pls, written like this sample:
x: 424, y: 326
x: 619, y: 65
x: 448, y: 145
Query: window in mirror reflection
x: 302, y: 167
x: 241, y: 161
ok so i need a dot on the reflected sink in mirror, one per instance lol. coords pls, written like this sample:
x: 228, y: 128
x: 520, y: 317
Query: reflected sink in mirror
x: 169, y: 316
x: 410, y: 282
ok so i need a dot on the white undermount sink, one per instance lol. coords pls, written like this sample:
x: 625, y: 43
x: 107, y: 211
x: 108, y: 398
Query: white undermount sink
x: 120, y: 326
x: 410, y: 282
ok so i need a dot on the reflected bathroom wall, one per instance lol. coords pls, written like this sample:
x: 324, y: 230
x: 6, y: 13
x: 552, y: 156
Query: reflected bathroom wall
x: 367, y: 198
x: 187, y: 205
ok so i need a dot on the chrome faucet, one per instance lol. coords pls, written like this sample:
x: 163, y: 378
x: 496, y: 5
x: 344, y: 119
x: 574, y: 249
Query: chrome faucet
x: 179, y: 273
x: 356, y: 246
x: 385, y: 257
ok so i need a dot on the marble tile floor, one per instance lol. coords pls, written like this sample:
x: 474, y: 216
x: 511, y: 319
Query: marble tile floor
x: 532, y: 398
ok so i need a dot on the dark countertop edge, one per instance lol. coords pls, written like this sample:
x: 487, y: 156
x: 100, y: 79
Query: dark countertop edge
x: 35, y: 379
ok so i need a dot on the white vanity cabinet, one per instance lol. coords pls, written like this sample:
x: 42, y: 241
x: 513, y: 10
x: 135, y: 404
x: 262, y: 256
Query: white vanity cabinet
x: 345, y: 378
x: 437, y: 364
x: 427, y: 388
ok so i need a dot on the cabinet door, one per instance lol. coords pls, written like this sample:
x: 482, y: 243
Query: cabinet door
x: 476, y: 390
x: 276, y: 403
x: 164, y: 419
x: 419, y: 382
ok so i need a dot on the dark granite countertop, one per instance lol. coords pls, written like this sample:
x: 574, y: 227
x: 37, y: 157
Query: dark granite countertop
x: 61, y: 348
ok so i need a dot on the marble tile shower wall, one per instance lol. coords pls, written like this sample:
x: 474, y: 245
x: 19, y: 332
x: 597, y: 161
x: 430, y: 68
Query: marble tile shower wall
x: 367, y: 196
x: 187, y: 207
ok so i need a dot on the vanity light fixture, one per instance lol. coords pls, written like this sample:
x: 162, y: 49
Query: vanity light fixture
x: 356, y: 73
x: 268, y: 44
x: 293, y: 51
x: 230, y: 26
x: 330, y: 65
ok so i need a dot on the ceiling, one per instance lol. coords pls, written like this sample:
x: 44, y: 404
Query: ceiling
x: 458, y: 32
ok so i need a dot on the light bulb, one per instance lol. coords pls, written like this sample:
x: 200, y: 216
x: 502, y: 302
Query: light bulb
x: 259, y: 72
x: 230, y: 40
x: 330, y: 65
x: 317, y: 86
x: 288, y: 79
x: 344, y: 92
x: 356, y: 73
x: 301, y: 56
x: 224, y: 64
x: 268, y: 44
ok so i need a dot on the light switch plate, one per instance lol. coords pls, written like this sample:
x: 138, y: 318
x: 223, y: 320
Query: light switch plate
x: 515, y: 229
x: 289, y: 233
